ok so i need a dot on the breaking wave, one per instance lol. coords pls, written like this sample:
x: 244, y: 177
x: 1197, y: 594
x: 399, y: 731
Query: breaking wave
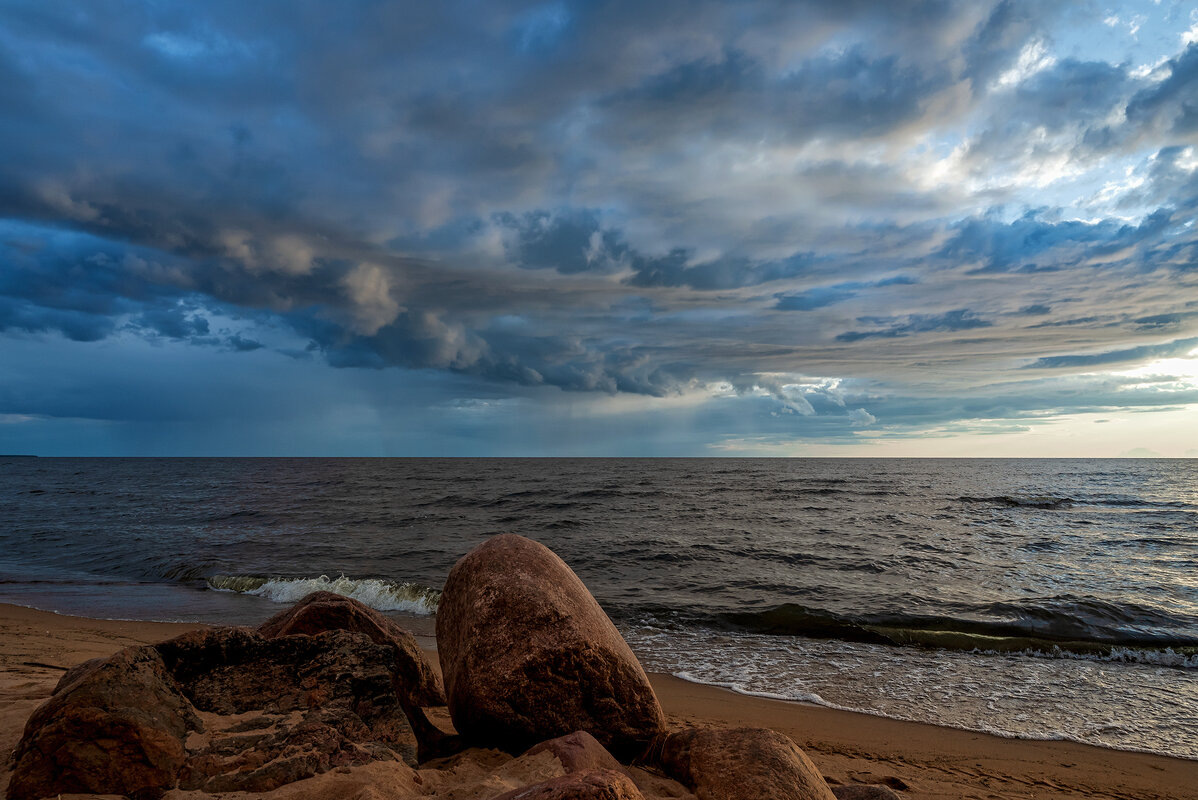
x: 383, y: 595
x: 1052, y: 629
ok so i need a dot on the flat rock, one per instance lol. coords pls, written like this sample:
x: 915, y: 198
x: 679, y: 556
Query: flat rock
x: 602, y: 784
x: 741, y: 764
x: 528, y: 655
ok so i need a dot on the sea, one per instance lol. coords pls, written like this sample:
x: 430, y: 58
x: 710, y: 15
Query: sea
x: 1038, y: 599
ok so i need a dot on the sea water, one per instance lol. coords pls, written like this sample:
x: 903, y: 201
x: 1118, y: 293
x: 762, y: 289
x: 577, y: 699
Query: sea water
x: 1028, y: 598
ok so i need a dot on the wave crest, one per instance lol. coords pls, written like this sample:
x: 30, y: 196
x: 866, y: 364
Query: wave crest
x: 379, y: 594
x: 1049, y: 502
x: 1051, y: 630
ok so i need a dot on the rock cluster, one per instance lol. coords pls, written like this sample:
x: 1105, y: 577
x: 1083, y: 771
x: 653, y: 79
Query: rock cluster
x: 227, y: 709
x: 334, y: 693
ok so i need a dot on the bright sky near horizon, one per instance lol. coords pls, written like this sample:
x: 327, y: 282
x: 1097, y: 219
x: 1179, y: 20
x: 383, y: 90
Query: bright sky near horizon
x: 599, y: 228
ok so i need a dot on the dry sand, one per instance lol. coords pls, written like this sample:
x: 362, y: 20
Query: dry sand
x: 931, y: 761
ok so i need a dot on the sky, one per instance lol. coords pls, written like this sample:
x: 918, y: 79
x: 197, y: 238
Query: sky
x: 599, y: 228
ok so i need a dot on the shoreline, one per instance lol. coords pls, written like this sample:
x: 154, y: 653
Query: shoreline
x: 847, y: 746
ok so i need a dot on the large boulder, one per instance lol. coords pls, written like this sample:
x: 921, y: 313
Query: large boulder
x: 596, y: 785
x: 416, y: 683
x: 325, y: 611
x: 742, y: 764
x: 527, y: 655
x: 113, y: 726
x: 283, y: 709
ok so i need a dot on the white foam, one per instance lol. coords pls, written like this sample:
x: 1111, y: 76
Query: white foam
x: 383, y: 595
x: 796, y: 697
x: 1165, y: 657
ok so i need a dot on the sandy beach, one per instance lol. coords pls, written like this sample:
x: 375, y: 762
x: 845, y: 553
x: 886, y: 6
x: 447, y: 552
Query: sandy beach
x: 930, y: 761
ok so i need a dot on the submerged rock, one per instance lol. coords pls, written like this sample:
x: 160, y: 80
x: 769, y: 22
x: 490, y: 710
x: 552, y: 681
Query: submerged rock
x: 527, y: 655
x: 742, y: 764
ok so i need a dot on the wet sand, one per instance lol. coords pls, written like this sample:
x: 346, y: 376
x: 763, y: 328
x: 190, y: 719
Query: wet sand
x: 930, y: 761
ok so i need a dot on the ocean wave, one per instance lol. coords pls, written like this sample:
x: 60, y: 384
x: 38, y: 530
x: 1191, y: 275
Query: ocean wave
x: 1053, y: 629
x: 383, y: 595
x: 1053, y: 502
x: 1180, y: 658
x: 1049, y: 502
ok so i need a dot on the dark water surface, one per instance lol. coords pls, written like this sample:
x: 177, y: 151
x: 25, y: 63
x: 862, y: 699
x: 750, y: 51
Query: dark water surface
x: 1032, y: 598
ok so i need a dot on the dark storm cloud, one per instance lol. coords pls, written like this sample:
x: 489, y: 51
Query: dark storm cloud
x: 617, y: 198
x: 731, y: 95
x: 173, y: 323
x: 568, y: 242
x: 241, y: 344
x: 1170, y: 105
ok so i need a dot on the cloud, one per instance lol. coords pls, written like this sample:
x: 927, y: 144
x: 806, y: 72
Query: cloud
x: 961, y: 319
x: 861, y: 418
x: 570, y: 241
x: 1127, y: 355
x: 370, y: 290
x: 822, y: 296
x: 661, y: 200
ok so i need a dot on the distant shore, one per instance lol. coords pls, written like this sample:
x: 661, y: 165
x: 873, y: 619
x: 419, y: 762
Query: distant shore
x: 933, y: 762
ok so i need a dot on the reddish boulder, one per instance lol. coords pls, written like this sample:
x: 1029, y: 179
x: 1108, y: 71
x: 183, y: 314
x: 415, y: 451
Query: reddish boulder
x: 579, y: 752
x: 416, y: 683
x: 340, y: 683
x: 742, y: 764
x: 113, y: 726
x: 528, y: 655
x: 325, y: 611
x: 602, y: 784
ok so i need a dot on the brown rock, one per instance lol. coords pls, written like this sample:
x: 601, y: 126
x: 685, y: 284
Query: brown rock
x: 864, y: 791
x: 221, y: 709
x: 323, y: 701
x: 114, y: 725
x: 416, y: 683
x: 579, y: 752
x: 742, y: 764
x: 601, y: 784
x: 326, y: 611
x: 528, y: 655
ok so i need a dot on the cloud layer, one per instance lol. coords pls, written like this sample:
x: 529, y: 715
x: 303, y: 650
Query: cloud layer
x: 804, y: 221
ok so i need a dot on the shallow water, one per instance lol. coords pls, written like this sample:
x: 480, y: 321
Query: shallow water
x: 1037, y: 598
